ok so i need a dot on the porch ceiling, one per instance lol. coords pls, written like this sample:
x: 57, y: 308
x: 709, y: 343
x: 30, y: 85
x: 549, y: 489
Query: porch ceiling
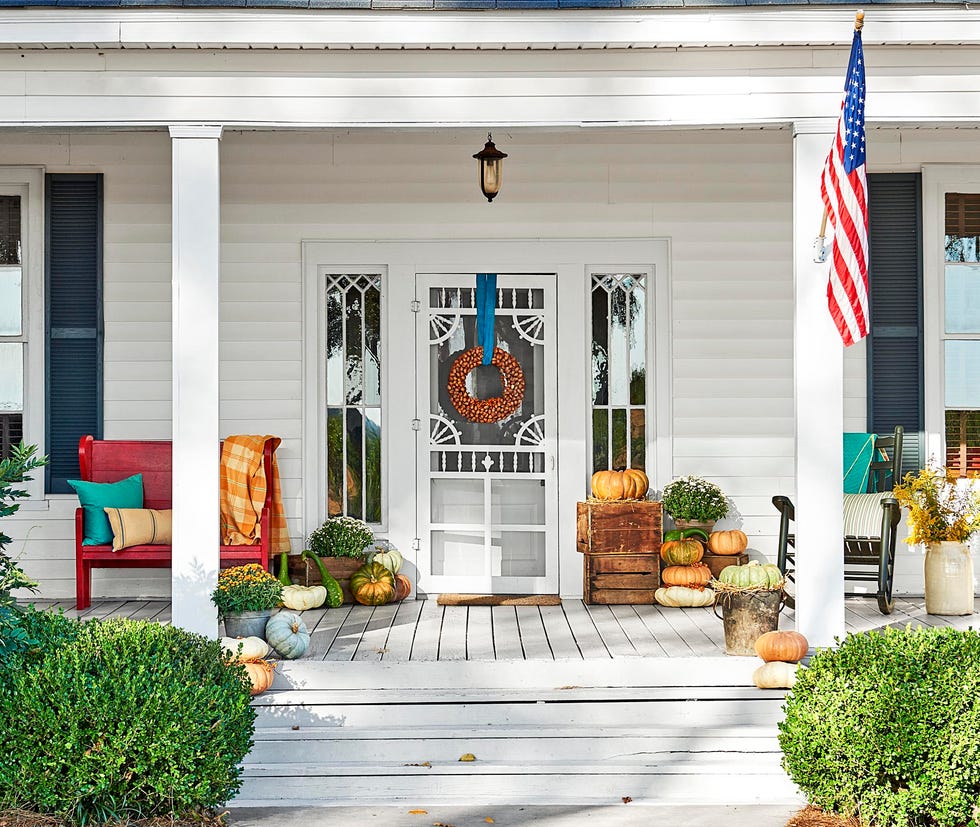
x: 529, y: 25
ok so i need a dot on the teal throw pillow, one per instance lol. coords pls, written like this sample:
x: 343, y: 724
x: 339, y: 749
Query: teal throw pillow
x: 95, y: 497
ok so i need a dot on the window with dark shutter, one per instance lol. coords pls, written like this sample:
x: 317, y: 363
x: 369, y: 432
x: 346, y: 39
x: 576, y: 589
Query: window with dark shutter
x: 895, y: 352
x: 73, y: 321
x: 961, y: 332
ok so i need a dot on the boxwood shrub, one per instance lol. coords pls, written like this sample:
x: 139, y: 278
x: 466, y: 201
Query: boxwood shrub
x: 128, y: 720
x: 887, y: 727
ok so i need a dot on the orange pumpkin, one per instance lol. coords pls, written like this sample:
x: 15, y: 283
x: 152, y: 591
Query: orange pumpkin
x: 694, y: 577
x: 403, y: 587
x: 789, y: 647
x: 728, y: 542
x: 631, y: 484
x: 373, y: 585
x: 681, y: 552
x: 260, y: 673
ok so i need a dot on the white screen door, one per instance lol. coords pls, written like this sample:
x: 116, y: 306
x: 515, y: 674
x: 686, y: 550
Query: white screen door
x: 488, y: 502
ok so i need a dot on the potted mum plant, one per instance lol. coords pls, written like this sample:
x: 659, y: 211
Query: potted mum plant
x: 245, y: 597
x: 694, y: 502
x: 339, y: 547
x: 944, y: 513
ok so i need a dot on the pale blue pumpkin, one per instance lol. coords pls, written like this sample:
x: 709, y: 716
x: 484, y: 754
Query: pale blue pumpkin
x: 287, y: 634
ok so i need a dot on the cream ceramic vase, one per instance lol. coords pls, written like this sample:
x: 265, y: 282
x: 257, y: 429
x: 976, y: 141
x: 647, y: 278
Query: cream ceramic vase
x: 949, y: 579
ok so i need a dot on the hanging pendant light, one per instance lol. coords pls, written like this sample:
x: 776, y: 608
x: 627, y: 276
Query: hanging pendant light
x: 491, y: 166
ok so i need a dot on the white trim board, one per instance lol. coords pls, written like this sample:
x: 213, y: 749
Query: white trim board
x: 571, y: 259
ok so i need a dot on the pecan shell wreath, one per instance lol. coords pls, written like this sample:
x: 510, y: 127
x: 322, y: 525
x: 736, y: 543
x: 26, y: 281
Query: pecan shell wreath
x: 494, y: 408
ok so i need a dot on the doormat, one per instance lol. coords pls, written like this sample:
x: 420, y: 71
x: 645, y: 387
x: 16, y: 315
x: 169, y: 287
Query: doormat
x: 451, y: 599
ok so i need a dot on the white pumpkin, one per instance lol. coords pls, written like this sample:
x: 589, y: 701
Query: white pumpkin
x: 682, y: 596
x: 252, y: 647
x: 775, y: 675
x: 301, y: 598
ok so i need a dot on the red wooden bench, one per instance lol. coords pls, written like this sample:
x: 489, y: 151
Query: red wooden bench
x: 105, y: 460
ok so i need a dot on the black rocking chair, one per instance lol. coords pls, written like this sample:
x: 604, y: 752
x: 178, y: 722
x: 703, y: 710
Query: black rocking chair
x: 867, y: 543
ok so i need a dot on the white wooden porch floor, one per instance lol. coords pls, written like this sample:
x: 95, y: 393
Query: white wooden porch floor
x: 424, y: 631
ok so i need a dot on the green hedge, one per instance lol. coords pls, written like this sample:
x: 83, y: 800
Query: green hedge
x: 128, y: 720
x: 887, y: 727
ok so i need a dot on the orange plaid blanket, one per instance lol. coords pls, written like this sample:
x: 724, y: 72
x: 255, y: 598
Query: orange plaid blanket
x: 243, y: 489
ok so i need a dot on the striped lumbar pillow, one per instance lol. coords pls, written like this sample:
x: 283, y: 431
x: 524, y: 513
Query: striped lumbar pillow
x: 862, y: 514
x: 139, y: 527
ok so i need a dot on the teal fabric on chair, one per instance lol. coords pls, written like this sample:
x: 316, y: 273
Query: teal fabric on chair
x: 858, y: 454
x: 95, y: 497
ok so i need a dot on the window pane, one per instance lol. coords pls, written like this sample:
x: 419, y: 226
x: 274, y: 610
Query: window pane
x: 11, y: 302
x: 600, y: 440
x: 963, y: 374
x: 10, y: 229
x: 962, y: 226
x: 11, y: 376
x: 353, y: 388
x: 963, y: 441
x: 11, y: 432
x: 962, y: 299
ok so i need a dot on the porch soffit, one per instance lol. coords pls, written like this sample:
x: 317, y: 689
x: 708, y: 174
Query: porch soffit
x: 503, y: 24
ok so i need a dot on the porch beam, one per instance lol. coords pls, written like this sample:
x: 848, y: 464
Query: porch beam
x: 819, y: 400
x: 196, y: 506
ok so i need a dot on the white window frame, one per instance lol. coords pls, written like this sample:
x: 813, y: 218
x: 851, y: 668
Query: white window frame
x: 937, y: 180
x: 28, y: 183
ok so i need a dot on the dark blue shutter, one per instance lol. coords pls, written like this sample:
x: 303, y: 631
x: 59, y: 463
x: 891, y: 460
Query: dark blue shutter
x: 73, y: 321
x: 895, y: 360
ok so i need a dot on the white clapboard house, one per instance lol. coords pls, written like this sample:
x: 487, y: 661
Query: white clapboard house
x: 227, y: 216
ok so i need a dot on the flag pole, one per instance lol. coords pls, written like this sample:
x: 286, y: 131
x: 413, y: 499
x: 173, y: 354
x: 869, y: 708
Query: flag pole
x: 819, y: 248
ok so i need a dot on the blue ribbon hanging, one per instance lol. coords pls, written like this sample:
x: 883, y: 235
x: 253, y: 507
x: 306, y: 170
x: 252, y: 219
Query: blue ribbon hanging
x: 486, y: 304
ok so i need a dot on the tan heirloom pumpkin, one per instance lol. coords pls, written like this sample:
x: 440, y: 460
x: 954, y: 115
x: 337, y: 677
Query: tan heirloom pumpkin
x: 788, y: 646
x: 775, y: 675
x: 301, y: 598
x: 252, y: 647
x: 631, y: 484
x: 260, y: 673
x: 683, y: 597
x: 694, y: 576
x: 728, y: 542
x: 681, y: 552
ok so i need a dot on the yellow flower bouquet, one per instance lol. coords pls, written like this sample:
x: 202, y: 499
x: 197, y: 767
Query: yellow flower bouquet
x: 941, y: 507
x: 248, y: 588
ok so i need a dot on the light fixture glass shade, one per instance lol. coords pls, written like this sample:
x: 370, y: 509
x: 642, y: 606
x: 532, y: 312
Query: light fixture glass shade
x: 491, y: 168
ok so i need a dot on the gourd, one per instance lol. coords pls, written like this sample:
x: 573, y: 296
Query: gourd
x: 687, y: 533
x: 283, y: 575
x: 390, y: 558
x: 288, y: 635
x: 631, y: 484
x: 695, y: 576
x: 775, y: 675
x: 681, y: 552
x: 252, y: 647
x: 301, y: 598
x: 728, y: 542
x: 683, y: 597
x: 787, y: 646
x: 335, y: 594
x: 403, y: 587
x: 260, y: 674
x: 752, y: 576
x: 373, y: 585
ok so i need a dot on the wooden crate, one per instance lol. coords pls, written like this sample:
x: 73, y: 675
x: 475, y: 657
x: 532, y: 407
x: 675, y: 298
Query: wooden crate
x: 303, y: 572
x: 620, y: 542
x: 716, y: 562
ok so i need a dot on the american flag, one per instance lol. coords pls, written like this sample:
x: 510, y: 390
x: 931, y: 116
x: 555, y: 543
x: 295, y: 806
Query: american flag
x: 844, y: 188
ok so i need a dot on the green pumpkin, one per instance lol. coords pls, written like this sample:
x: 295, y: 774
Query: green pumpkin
x: 390, y: 558
x: 288, y: 635
x: 752, y: 576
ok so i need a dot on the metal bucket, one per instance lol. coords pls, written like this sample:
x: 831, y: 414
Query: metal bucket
x: 747, y: 616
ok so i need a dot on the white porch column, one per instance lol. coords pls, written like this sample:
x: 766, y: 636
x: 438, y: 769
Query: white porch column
x: 196, y: 522
x: 819, y: 394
